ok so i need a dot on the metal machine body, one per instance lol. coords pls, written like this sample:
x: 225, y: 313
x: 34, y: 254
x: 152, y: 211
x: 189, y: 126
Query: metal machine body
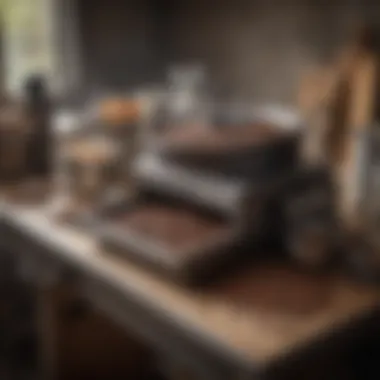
x: 175, y: 197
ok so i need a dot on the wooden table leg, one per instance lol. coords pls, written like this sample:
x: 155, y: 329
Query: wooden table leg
x: 47, y: 332
x: 77, y: 342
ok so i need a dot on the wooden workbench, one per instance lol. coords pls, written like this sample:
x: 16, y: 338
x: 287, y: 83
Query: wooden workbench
x: 211, y: 334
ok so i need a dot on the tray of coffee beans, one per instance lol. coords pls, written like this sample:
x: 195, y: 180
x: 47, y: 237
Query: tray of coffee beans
x: 244, y: 149
x: 185, y: 242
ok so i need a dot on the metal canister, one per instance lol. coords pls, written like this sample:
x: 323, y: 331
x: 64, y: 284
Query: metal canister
x: 37, y: 109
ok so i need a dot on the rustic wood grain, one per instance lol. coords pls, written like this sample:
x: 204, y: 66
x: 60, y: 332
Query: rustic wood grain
x: 361, y: 116
x: 339, y: 102
x: 255, y: 333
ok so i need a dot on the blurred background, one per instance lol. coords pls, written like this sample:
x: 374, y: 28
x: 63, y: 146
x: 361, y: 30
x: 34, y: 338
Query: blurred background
x: 86, y: 47
x: 189, y: 189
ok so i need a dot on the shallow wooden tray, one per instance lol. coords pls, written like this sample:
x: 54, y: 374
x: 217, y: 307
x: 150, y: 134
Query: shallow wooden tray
x: 189, y: 262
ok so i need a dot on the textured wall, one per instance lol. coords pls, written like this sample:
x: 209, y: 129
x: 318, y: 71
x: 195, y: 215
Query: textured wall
x: 257, y: 49
x: 254, y: 49
x: 120, y: 43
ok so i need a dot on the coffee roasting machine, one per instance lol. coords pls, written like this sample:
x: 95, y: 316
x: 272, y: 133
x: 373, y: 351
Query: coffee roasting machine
x: 213, y: 186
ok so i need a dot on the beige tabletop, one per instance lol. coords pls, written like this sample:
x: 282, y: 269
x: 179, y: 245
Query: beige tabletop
x: 284, y: 308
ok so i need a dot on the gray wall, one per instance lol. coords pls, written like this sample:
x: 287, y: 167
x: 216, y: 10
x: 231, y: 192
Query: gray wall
x: 253, y: 49
x: 258, y: 49
x: 121, y: 43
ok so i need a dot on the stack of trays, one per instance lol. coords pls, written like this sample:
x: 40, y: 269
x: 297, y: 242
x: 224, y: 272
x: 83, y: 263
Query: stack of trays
x: 193, y: 217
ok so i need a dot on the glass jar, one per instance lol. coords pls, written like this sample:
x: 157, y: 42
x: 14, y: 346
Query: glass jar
x: 187, y: 100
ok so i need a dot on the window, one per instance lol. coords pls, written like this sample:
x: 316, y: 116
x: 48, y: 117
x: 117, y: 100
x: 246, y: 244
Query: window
x: 28, y: 41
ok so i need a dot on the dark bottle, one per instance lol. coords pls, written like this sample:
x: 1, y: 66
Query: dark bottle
x: 38, y: 110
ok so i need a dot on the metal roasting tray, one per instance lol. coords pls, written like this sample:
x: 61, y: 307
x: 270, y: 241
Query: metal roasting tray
x: 221, y: 193
x: 191, y: 264
x: 242, y: 158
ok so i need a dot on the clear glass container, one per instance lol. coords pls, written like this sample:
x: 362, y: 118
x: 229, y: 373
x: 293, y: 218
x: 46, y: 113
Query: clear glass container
x: 187, y: 100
